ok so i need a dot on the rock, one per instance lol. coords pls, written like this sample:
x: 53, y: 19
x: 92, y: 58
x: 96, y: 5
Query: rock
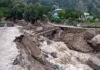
x: 81, y: 45
x: 46, y: 19
x: 94, y: 62
x: 98, y: 55
x: 31, y: 57
x: 31, y: 46
x: 17, y: 67
x: 78, y: 67
x: 58, y: 67
x: 54, y: 54
x: 89, y: 34
x: 95, y: 42
x: 71, y: 67
x: 29, y: 26
x: 21, y: 22
x: 39, y: 29
x: 77, y: 42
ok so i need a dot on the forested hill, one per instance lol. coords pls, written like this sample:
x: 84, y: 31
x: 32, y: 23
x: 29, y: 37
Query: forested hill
x: 92, y: 6
x: 32, y: 10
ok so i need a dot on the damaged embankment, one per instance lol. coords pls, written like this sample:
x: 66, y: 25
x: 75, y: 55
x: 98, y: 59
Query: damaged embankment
x: 61, y: 48
x: 31, y: 57
x: 75, y: 38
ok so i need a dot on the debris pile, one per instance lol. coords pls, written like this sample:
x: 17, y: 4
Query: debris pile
x: 48, y: 47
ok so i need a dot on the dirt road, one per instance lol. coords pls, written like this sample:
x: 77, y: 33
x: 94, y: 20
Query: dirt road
x: 8, y: 50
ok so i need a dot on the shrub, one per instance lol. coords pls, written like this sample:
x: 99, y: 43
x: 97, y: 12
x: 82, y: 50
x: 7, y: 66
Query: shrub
x: 56, y: 20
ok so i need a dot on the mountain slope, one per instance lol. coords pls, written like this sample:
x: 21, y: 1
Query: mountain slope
x: 92, y: 6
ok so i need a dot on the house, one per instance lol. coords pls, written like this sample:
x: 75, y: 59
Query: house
x: 87, y: 16
x: 55, y: 13
x: 56, y: 10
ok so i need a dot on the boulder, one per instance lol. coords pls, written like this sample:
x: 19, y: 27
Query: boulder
x: 77, y: 42
x: 39, y: 29
x: 95, y: 42
x: 98, y: 55
x: 30, y: 57
x: 30, y: 45
x: 94, y: 62
x: 89, y: 34
x: 78, y: 67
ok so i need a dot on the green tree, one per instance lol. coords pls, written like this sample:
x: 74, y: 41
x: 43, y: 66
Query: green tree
x: 72, y: 14
x: 61, y: 14
x: 17, y: 11
x: 5, y: 3
x: 35, y: 11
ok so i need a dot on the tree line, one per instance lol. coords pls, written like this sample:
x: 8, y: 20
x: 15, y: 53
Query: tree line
x: 21, y: 9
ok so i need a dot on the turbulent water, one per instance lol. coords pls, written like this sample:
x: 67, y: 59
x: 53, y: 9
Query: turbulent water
x: 8, y: 50
x: 66, y: 59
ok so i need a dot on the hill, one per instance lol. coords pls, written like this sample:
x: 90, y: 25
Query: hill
x: 92, y: 6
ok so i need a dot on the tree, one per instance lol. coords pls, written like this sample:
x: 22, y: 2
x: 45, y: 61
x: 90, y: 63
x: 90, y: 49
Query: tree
x: 68, y: 13
x: 35, y: 11
x: 72, y: 14
x: 5, y: 3
x: 32, y: 1
x: 61, y: 14
x: 17, y: 11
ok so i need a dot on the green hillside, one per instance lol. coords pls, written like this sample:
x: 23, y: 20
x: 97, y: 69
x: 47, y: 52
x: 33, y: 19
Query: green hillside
x: 92, y: 6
